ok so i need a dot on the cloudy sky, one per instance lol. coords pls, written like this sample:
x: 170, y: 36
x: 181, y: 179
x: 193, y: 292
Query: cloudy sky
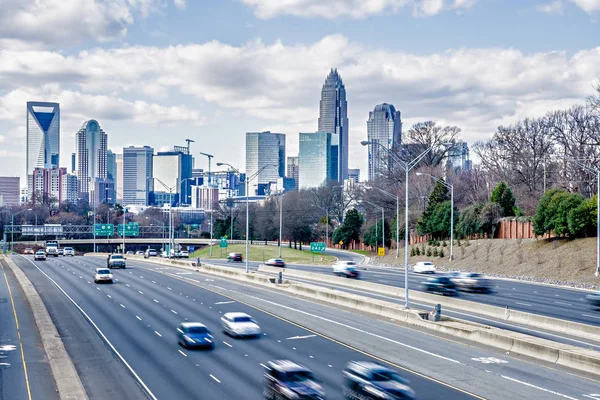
x: 155, y: 72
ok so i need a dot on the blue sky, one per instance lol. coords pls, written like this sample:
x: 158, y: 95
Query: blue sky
x: 154, y: 72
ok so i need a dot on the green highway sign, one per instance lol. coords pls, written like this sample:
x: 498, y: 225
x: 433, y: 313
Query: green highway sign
x: 317, y: 247
x: 223, y: 243
x: 131, y: 229
x: 104, y: 229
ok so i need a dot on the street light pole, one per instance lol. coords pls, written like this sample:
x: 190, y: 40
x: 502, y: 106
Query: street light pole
x: 124, y: 211
x: 280, y: 223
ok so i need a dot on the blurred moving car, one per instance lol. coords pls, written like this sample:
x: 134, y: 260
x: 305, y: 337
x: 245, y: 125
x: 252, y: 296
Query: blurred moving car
x: 285, y: 379
x: 61, y: 252
x: 69, y: 251
x: 239, y: 324
x: 346, y: 268
x: 194, y: 334
x: 234, y: 257
x: 40, y: 255
x: 275, y: 262
x: 103, y: 275
x: 368, y: 380
x: 471, y: 281
x: 130, y: 253
x: 115, y: 261
x: 139, y: 253
x: 424, y: 267
x: 150, y: 253
x: 28, y: 250
x: 441, y: 284
x: 594, y: 300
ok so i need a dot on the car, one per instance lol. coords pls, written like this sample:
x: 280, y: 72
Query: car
x: 150, y: 253
x: 52, y: 248
x: 115, y: 261
x: 275, y: 262
x: 234, y: 257
x: 28, y: 250
x: 130, y: 253
x: 103, y: 275
x: 369, y: 380
x: 139, y: 253
x: 184, y: 254
x: 69, y: 251
x: 284, y: 379
x: 594, y: 300
x: 424, y: 267
x: 40, y: 255
x: 346, y: 268
x: 194, y: 334
x: 471, y: 281
x: 61, y: 252
x: 239, y: 324
x: 440, y: 284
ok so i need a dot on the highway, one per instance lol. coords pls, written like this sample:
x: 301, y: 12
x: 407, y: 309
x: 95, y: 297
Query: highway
x: 138, y: 315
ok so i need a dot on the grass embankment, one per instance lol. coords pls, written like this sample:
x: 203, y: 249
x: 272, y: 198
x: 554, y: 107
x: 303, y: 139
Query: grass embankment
x: 262, y: 253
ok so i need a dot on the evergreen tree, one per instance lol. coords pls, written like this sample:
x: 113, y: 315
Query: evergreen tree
x: 503, y: 195
x: 350, y: 230
x: 439, y: 195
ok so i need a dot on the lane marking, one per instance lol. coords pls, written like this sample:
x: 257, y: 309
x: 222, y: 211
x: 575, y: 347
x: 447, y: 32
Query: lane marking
x: 523, y: 304
x: 174, y: 312
x: 182, y: 353
x: 218, y: 381
x: 563, y: 303
x: 227, y: 344
x: 138, y: 317
x: 539, y: 388
x: 156, y: 301
x: 158, y: 333
x: 225, y: 302
x: 592, y: 316
x: 140, y: 292
x: 109, y: 296
x: 169, y: 288
x: 127, y: 284
x: 300, y: 337
x: 122, y: 305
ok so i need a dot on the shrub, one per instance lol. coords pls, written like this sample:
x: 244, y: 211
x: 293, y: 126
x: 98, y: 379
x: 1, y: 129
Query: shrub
x: 417, y: 251
x: 435, y: 252
x: 412, y: 251
x: 442, y: 255
x: 444, y: 244
x: 428, y: 252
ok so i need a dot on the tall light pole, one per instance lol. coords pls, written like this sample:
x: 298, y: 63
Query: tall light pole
x: 12, y: 228
x: 280, y: 222
x: 451, y: 187
x: 397, y: 216
x: 382, y: 225
x: 170, y: 190
x: 407, y: 167
x: 248, y: 179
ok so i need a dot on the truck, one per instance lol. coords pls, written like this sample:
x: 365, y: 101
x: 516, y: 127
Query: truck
x: 52, y: 248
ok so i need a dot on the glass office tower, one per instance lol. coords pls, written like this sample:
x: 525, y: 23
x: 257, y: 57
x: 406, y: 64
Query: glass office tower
x: 314, y: 156
x: 384, y: 127
x: 262, y: 149
x: 43, y: 135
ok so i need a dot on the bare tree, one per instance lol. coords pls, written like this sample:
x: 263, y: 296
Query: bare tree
x: 428, y: 134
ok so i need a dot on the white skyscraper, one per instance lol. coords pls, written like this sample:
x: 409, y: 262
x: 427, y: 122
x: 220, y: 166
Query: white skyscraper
x: 385, y: 128
x: 43, y: 137
x: 262, y: 149
x: 90, y: 156
x: 137, y: 175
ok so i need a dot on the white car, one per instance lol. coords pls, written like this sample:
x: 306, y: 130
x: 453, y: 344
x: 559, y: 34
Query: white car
x: 424, y: 267
x: 345, y: 268
x: 184, y: 254
x: 69, y: 251
x: 103, y: 275
x: 239, y: 324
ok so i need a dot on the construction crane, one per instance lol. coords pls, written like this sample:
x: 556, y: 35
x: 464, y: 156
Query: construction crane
x: 188, y: 144
x: 210, y: 156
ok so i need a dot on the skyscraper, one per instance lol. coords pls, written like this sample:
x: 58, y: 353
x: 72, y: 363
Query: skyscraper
x: 119, y: 182
x: 333, y: 118
x: 172, y: 168
x: 111, y: 166
x: 314, y: 159
x: 458, y: 157
x: 262, y: 149
x: 293, y: 170
x: 91, y: 157
x: 43, y: 136
x: 137, y: 175
x: 384, y: 127
x: 9, y: 190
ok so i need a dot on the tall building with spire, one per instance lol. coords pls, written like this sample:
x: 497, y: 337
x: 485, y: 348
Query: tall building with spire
x: 384, y: 128
x: 90, y: 157
x: 333, y: 118
x: 43, y: 138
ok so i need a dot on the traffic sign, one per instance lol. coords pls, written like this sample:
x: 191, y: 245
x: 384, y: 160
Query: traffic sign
x: 223, y: 243
x: 104, y: 229
x: 131, y: 229
x: 381, y: 251
x: 317, y: 247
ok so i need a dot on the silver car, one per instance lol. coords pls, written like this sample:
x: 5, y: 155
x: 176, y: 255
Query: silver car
x: 472, y: 281
x: 239, y: 324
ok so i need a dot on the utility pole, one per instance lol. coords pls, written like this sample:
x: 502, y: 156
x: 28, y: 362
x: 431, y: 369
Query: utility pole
x: 210, y: 157
x: 188, y: 144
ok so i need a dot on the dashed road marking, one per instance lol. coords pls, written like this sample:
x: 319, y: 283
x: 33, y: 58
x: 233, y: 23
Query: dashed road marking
x: 174, y: 312
x: 182, y: 353
x: 158, y: 333
x: 523, y: 304
x: 138, y: 317
x: 156, y: 301
x: 122, y: 305
x: 218, y: 381
x: 227, y: 344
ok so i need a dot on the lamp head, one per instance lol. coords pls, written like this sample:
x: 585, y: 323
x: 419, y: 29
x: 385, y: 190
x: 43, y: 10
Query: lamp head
x: 419, y: 173
x: 220, y: 164
x: 366, y: 143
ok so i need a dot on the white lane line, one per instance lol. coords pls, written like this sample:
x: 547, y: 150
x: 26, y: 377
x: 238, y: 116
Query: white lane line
x: 358, y: 330
x: 218, y: 381
x: 169, y: 288
x: 122, y: 305
x: 89, y: 282
x: 140, y: 292
x: 174, y: 312
x: 141, y: 277
x: 127, y: 284
x: 138, y: 317
x: 97, y: 288
x: 80, y: 277
x: 153, y: 281
x: 591, y: 316
x: 300, y: 337
x: 227, y: 344
x: 225, y: 302
x: 539, y: 388
x: 523, y: 304
x: 156, y: 301
x: 158, y: 333
x: 109, y: 296
x: 182, y: 353
x: 563, y: 303
x: 330, y: 366
x: 264, y: 366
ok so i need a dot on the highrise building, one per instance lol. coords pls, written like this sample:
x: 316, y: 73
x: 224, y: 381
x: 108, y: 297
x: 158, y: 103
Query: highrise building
x: 385, y: 128
x: 174, y: 170
x: 137, y: 175
x: 91, y: 156
x: 70, y: 189
x: 111, y: 166
x: 293, y: 171
x: 333, y: 118
x: 205, y: 197
x: 458, y: 157
x: 354, y: 174
x: 47, y: 184
x: 9, y: 190
x: 119, y: 182
x: 314, y: 159
x: 264, y: 149
x: 73, y: 163
x: 104, y: 191
x: 43, y: 137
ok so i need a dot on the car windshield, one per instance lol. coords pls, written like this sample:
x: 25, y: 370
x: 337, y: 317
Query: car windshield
x: 243, y: 319
x: 68, y: 248
x: 427, y: 263
x: 474, y: 275
x: 197, y: 329
x: 103, y: 271
x: 299, y: 376
x: 117, y: 257
x: 385, y: 376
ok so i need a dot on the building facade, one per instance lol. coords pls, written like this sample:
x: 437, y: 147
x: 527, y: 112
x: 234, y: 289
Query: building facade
x: 91, y: 158
x: 43, y: 135
x: 9, y: 190
x: 174, y: 170
x: 333, y: 118
x: 137, y: 175
x: 47, y: 184
x: 314, y: 159
x: 111, y: 167
x: 205, y: 197
x: 70, y: 189
x: 264, y: 149
x: 119, y: 181
x: 293, y: 171
x: 458, y: 157
x: 354, y: 174
x: 384, y: 128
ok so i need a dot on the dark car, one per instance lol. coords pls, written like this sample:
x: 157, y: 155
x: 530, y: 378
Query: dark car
x: 194, y: 334
x: 234, y: 257
x: 288, y: 380
x: 441, y: 284
x: 275, y: 262
x: 368, y: 380
x: 594, y: 300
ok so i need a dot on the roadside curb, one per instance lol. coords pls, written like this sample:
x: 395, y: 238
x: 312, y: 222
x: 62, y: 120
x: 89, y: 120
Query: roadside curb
x: 65, y: 375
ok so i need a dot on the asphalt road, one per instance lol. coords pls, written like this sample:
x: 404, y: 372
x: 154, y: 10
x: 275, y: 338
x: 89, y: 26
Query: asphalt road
x: 138, y: 314
x: 24, y: 369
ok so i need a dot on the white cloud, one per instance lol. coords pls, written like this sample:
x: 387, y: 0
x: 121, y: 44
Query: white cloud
x: 589, y: 6
x: 179, y: 4
x: 555, y: 7
x: 351, y: 8
x: 65, y: 22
